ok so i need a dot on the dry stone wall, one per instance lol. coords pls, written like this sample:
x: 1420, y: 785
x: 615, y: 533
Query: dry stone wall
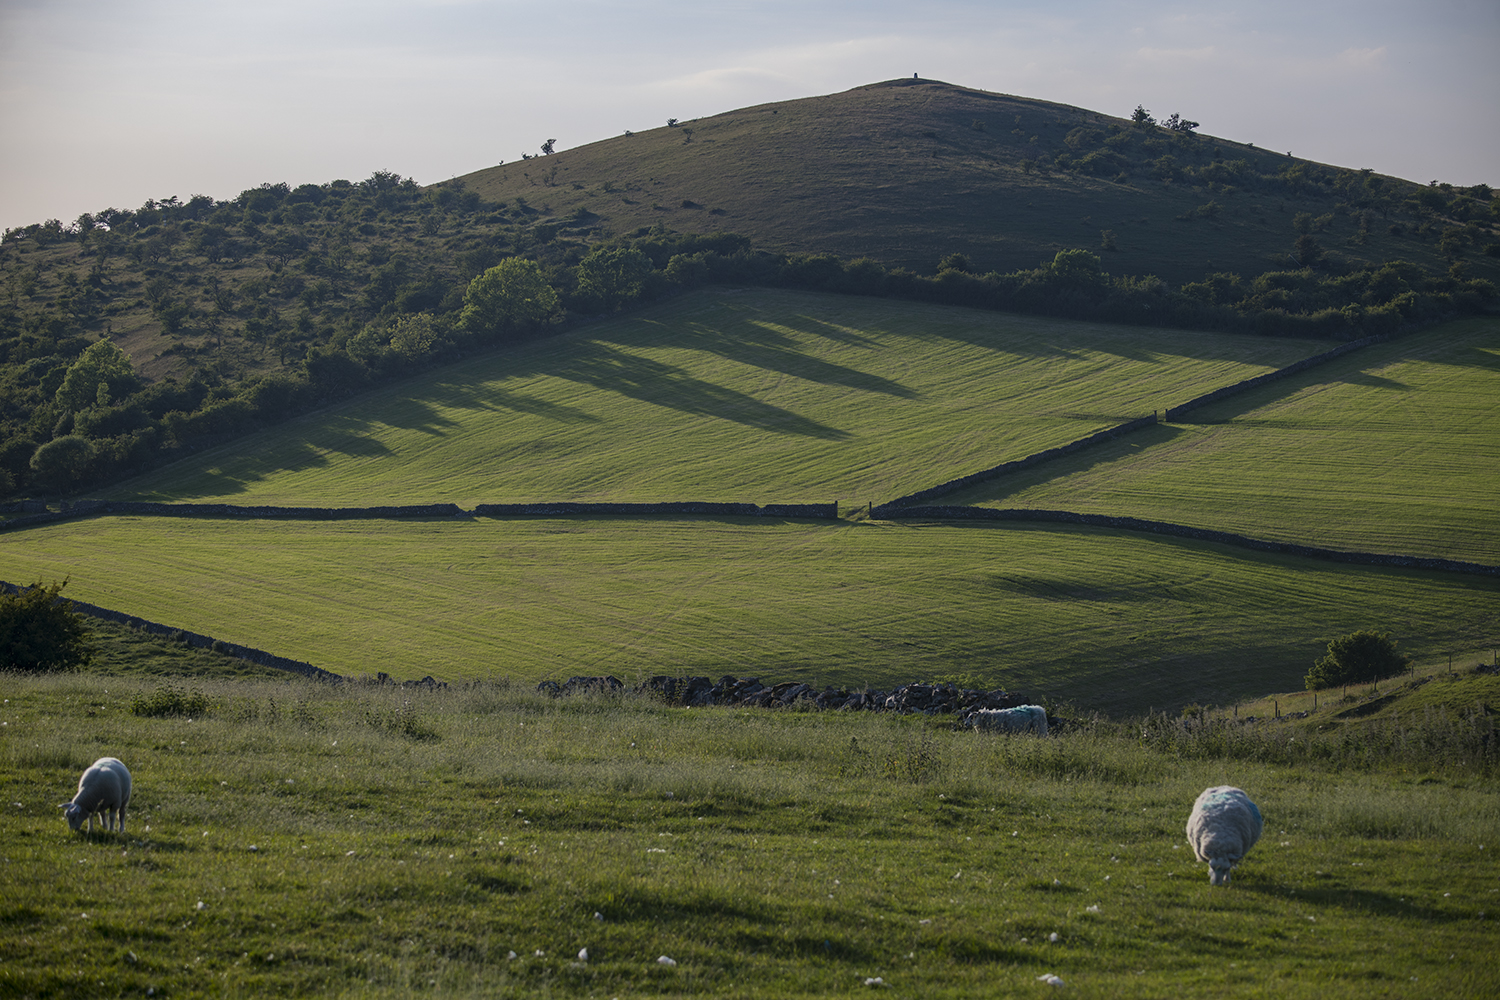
x: 936, y: 513
x: 749, y: 692
x: 193, y: 639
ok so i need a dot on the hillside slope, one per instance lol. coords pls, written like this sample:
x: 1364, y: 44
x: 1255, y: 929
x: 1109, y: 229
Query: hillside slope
x: 907, y: 171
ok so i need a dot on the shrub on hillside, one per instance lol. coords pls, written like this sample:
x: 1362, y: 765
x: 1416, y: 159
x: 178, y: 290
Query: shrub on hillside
x: 169, y: 701
x: 39, y: 631
x: 1357, y: 658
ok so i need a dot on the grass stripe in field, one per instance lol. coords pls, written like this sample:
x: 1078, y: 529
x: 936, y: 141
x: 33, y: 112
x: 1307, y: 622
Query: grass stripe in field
x: 724, y: 395
x: 1113, y: 621
x: 1395, y: 448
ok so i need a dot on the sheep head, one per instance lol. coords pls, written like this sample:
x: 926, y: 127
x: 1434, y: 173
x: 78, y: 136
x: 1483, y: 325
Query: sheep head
x: 73, y: 813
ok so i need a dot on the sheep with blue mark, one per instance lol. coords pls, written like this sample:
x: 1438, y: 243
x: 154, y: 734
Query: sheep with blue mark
x: 1021, y: 719
x: 1222, y: 828
x: 104, y: 789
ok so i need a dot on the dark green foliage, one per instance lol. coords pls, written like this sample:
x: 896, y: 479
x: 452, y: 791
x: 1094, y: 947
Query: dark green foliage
x: 509, y: 298
x: 612, y: 277
x: 1357, y: 658
x: 401, y: 721
x: 170, y: 700
x: 40, y: 631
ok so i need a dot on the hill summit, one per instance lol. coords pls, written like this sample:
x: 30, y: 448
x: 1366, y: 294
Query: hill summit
x: 908, y: 171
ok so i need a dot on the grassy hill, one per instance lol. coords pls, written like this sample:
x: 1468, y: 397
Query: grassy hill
x: 304, y: 839
x: 1395, y: 448
x: 726, y: 395
x: 907, y: 171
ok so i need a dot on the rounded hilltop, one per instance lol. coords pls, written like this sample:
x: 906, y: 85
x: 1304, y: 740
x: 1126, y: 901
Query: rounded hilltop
x: 908, y: 171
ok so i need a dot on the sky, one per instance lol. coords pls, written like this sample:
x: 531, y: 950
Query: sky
x: 108, y: 103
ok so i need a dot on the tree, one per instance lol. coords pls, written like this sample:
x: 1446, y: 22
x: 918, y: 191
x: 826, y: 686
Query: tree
x: 1356, y: 658
x: 508, y: 297
x: 62, y: 461
x: 547, y: 146
x: 1179, y: 124
x: 40, y: 631
x: 102, y: 363
x: 1309, y: 251
x: 1142, y: 117
x: 610, y: 277
x: 1076, y: 267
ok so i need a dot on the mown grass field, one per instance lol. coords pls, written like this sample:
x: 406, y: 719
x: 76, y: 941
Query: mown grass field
x: 1394, y: 448
x: 1114, y: 622
x: 759, y: 396
x: 299, y: 839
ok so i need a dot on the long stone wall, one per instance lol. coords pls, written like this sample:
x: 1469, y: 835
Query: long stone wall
x: 825, y: 511
x: 146, y: 508
x: 94, y: 508
x: 953, y: 485
x: 939, y: 513
x: 193, y: 639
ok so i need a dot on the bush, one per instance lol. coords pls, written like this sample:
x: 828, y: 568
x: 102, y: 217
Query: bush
x: 1357, y: 658
x: 169, y: 701
x: 40, y: 631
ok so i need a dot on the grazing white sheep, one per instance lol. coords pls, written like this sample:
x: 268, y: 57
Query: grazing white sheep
x: 105, y: 789
x: 1021, y: 719
x: 1224, y: 825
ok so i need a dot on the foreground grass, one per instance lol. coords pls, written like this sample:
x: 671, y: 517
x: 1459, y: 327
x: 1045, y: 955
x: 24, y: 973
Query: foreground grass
x: 724, y: 395
x: 1115, y: 621
x: 1395, y: 448
x: 365, y: 841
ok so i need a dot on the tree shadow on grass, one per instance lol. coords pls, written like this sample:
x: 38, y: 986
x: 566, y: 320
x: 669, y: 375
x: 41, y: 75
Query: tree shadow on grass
x: 1360, y: 900
x: 758, y: 343
x: 650, y: 381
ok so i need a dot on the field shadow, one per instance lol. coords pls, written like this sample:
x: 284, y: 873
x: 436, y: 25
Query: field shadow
x: 349, y: 439
x: 757, y: 343
x: 1363, y: 900
x: 1371, y: 381
x: 409, y: 413
x: 487, y: 396
x: 660, y: 384
x: 1124, y: 449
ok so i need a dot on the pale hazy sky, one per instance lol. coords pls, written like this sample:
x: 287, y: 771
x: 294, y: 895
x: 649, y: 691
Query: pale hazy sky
x: 110, y: 102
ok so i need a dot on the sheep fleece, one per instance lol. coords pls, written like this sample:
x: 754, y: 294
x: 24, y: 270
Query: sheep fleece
x: 1224, y: 825
x: 1021, y: 719
x: 105, y: 789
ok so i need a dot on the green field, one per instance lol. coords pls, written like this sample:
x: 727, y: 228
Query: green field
x: 299, y: 839
x: 1394, y: 448
x: 1111, y: 621
x: 757, y: 396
